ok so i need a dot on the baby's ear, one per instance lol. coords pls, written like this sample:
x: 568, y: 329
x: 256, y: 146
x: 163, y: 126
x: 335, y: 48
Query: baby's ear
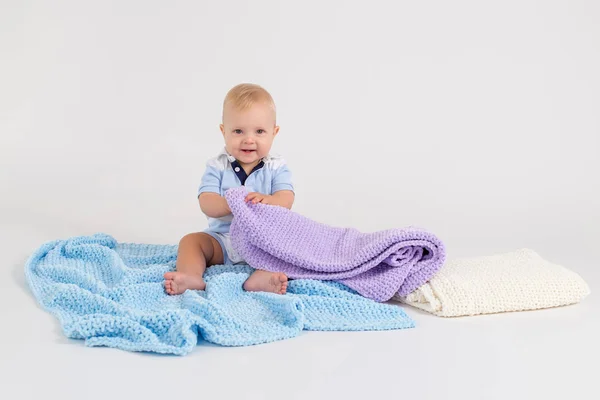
x: 222, y: 129
x: 276, y: 130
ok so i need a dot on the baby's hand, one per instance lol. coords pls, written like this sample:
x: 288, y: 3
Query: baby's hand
x: 255, y: 197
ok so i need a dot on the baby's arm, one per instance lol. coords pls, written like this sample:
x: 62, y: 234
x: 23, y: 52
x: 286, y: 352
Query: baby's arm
x: 282, y: 187
x: 209, y: 194
x: 213, y: 205
x: 283, y: 198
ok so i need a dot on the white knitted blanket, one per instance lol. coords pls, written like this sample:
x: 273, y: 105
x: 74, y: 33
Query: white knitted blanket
x: 516, y: 281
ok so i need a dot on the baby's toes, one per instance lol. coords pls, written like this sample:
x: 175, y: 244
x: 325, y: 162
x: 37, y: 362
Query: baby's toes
x: 170, y: 286
x: 169, y: 275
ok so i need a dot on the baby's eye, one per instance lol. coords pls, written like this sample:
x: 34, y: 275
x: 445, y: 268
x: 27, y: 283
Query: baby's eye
x: 260, y: 131
x: 238, y: 131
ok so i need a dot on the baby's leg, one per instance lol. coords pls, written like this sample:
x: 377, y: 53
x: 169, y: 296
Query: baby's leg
x: 264, y: 281
x: 196, y: 252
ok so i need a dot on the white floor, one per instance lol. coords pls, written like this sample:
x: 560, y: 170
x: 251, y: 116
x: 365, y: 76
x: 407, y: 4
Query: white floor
x: 549, y: 354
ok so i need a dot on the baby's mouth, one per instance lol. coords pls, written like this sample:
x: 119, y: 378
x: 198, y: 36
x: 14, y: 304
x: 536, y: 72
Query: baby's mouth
x: 247, y: 151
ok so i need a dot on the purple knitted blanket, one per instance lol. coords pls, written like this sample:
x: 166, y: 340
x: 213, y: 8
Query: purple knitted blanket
x: 377, y: 265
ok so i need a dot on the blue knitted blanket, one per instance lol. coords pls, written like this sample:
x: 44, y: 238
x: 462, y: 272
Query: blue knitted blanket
x: 111, y: 294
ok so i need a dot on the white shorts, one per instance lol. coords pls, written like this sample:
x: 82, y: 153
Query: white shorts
x: 230, y: 256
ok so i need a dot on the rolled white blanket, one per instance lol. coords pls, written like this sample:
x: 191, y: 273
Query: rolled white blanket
x: 516, y: 281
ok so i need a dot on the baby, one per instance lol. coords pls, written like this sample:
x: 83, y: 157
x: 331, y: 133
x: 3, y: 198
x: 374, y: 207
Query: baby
x: 248, y: 128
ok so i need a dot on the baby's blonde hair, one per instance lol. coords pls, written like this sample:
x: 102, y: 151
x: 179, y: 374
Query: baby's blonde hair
x: 244, y: 95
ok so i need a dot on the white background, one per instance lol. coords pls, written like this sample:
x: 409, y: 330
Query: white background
x: 477, y: 120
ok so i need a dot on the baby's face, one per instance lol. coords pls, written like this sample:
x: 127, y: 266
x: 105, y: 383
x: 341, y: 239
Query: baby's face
x: 249, y: 133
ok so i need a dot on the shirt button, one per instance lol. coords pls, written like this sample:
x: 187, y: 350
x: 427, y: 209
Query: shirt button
x: 237, y: 169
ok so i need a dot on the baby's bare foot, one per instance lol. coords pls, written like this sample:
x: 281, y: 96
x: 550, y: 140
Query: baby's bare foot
x: 177, y: 282
x: 264, y: 281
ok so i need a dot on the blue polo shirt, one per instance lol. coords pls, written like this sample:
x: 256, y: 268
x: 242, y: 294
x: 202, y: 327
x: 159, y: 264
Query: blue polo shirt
x: 224, y: 172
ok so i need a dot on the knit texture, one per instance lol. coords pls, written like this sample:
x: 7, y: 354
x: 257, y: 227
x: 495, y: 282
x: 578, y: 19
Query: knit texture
x: 112, y: 294
x: 515, y: 281
x: 377, y: 265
